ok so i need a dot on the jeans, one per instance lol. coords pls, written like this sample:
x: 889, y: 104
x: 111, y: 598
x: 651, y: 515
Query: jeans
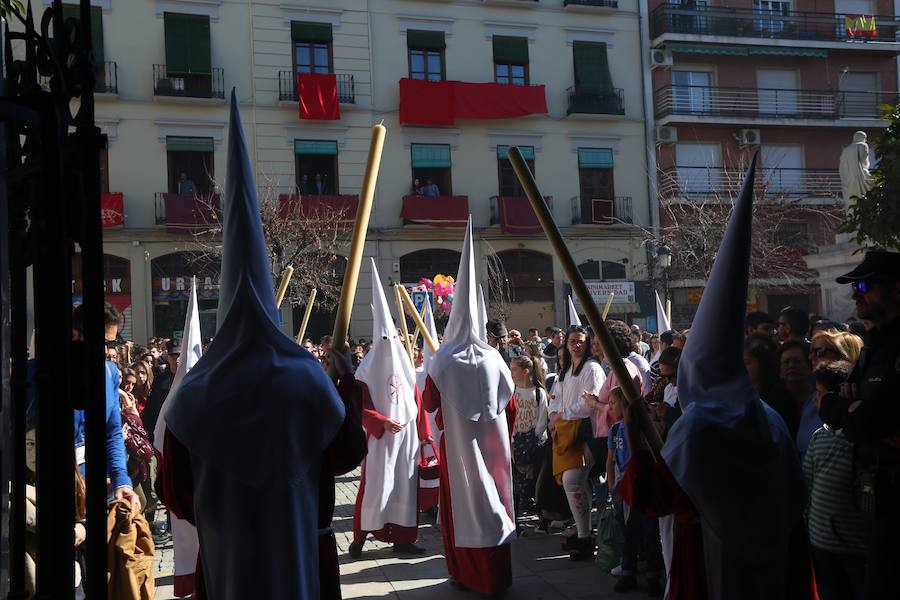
x: 839, y: 576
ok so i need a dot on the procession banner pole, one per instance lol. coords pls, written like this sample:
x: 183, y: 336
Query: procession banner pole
x: 418, y: 319
x: 309, y: 307
x: 632, y: 394
x: 282, y: 288
x: 418, y: 329
x: 669, y: 311
x: 403, y: 327
x: 609, y: 301
x: 357, y: 243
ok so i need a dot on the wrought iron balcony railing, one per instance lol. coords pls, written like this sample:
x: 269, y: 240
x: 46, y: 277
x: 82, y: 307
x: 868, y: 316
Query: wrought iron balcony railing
x: 596, y: 103
x: 598, y: 3
x: 188, y: 85
x: 594, y: 211
x: 751, y: 102
x: 287, y: 87
x: 106, y: 79
x: 709, y: 182
x: 771, y: 24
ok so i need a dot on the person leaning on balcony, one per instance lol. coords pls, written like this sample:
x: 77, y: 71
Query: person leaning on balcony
x: 431, y: 188
x: 417, y: 189
x: 186, y: 185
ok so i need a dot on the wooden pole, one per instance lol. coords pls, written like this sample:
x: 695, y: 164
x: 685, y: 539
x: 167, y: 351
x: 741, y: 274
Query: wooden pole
x: 609, y: 301
x: 403, y: 327
x: 632, y: 393
x: 282, y: 288
x: 420, y: 323
x: 418, y: 330
x: 309, y: 307
x: 357, y: 243
x: 669, y: 311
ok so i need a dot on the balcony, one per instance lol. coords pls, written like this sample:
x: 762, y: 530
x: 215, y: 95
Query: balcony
x: 725, y: 183
x: 596, y: 103
x: 188, y: 85
x: 602, y: 211
x: 591, y: 4
x: 106, y: 79
x: 435, y: 211
x: 700, y: 101
x: 287, y: 87
x: 187, y: 213
x: 515, y: 216
x: 766, y: 24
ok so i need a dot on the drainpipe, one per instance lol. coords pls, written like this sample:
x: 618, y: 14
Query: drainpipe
x: 649, y: 121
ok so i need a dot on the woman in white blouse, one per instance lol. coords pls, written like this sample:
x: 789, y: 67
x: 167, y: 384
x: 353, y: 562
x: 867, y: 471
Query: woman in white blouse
x: 579, y: 374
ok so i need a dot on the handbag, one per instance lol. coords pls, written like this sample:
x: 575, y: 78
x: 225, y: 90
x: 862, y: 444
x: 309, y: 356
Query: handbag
x: 429, y: 467
x: 429, y: 474
x: 610, y: 538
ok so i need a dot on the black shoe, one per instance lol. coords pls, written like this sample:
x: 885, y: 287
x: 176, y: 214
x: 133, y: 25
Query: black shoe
x: 543, y: 526
x: 625, y: 584
x: 654, y: 587
x: 355, y: 549
x: 581, y: 549
x: 409, y: 549
x: 568, y: 542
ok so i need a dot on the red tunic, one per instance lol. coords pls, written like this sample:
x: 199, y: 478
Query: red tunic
x: 373, y: 422
x: 482, y: 570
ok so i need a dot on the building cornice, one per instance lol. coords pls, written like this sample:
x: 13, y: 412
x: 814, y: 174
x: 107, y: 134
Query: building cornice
x: 292, y: 12
x: 210, y: 8
x: 178, y: 128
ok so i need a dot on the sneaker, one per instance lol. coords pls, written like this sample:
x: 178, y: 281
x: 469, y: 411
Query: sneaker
x: 355, y: 549
x: 625, y: 584
x: 409, y: 549
x: 654, y: 587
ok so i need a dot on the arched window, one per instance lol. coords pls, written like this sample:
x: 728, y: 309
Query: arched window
x: 590, y: 269
x: 530, y: 275
x: 428, y: 263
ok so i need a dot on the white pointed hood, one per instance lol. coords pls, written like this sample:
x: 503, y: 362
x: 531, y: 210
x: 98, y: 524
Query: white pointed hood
x: 386, y: 369
x: 732, y: 454
x: 234, y: 409
x: 662, y: 320
x: 573, y: 314
x: 482, y: 313
x: 191, y: 351
x: 427, y: 354
x: 472, y: 377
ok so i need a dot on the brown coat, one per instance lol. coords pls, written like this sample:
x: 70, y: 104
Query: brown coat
x: 129, y: 554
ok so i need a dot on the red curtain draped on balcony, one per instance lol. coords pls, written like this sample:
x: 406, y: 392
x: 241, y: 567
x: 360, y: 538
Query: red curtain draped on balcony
x: 517, y: 216
x: 442, y: 102
x: 317, y: 93
x: 343, y: 207
x: 112, y: 209
x: 190, y: 214
x: 437, y: 211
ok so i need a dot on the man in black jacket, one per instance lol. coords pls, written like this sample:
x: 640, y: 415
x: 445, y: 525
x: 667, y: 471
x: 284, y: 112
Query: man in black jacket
x: 868, y: 411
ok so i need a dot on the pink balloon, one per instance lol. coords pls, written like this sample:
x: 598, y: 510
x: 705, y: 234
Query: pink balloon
x: 426, y: 283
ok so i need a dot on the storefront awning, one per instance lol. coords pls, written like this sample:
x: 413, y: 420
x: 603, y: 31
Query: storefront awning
x: 746, y: 50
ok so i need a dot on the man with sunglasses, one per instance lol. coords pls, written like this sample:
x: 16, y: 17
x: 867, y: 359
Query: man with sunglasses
x: 869, y: 414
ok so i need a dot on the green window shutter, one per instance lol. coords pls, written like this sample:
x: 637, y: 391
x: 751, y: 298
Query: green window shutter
x: 430, y: 156
x: 591, y: 68
x: 188, y: 144
x: 595, y: 158
x: 315, y: 147
x: 72, y: 11
x: 187, y: 44
x: 527, y: 152
x: 425, y: 40
x: 512, y: 50
x: 302, y: 31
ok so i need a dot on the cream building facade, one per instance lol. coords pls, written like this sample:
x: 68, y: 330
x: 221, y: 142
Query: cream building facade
x: 165, y: 113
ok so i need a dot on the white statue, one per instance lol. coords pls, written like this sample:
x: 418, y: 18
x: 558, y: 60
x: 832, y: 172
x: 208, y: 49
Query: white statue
x: 854, y: 168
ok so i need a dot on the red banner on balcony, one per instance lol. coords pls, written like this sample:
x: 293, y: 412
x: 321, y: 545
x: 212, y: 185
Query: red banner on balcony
x: 517, y: 216
x: 332, y: 208
x: 442, y: 102
x: 437, y: 211
x: 112, y: 209
x: 317, y: 93
x: 186, y: 213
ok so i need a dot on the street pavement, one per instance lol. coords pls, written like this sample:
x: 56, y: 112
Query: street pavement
x: 540, y: 570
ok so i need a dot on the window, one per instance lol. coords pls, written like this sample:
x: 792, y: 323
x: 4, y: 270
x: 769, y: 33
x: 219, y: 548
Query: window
x: 771, y: 22
x: 784, y: 173
x: 431, y: 169
x: 312, y: 47
x: 529, y: 274
x: 511, y: 60
x: 589, y: 269
x: 426, y: 55
x: 192, y: 157
x: 792, y: 233
x: 691, y: 91
x: 188, y: 69
x: 508, y: 183
x: 699, y: 167
x: 595, y: 182
x: 592, y: 74
x: 316, y: 166
x: 859, y: 95
x: 73, y: 11
x: 427, y: 263
x: 613, y: 270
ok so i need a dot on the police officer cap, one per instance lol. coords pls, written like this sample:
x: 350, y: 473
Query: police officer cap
x: 876, y: 262
x: 173, y: 347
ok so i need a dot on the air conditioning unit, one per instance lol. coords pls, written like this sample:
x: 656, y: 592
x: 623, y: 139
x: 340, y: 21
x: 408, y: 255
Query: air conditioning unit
x: 666, y: 135
x: 660, y: 58
x: 748, y: 137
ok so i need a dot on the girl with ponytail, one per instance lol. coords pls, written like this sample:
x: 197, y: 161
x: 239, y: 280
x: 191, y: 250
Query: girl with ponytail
x: 530, y: 429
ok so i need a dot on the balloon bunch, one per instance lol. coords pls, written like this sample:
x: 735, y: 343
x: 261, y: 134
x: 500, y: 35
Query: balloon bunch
x: 442, y: 286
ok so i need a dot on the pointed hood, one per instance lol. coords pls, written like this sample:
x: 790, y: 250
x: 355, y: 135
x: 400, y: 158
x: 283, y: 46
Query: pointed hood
x: 386, y: 369
x: 728, y: 440
x: 472, y: 377
x: 191, y: 351
x: 482, y: 313
x: 427, y: 354
x: 662, y: 320
x: 573, y: 314
x: 256, y: 407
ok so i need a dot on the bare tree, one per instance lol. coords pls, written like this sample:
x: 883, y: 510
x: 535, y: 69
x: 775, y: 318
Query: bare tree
x: 306, y: 236
x: 499, y: 289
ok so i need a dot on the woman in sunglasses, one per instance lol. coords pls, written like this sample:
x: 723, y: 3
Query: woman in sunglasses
x: 828, y: 346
